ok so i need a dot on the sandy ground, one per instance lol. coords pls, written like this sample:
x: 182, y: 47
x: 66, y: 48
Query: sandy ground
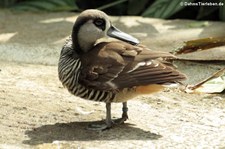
x: 37, y: 112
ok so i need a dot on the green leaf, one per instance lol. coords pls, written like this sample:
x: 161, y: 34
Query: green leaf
x: 26, y: 7
x: 70, y: 2
x: 222, y: 10
x: 48, y: 5
x: 111, y: 4
x: 6, y: 3
x: 164, y: 8
x: 132, y: 6
x: 40, y: 4
x: 198, y: 24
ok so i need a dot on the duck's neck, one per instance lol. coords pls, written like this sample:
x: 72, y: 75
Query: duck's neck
x: 85, y: 44
x: 82, y: 44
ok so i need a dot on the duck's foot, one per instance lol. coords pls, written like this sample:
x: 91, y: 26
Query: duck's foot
x: 109, y: 123
x: 120, y: 120
x: 99, y: 127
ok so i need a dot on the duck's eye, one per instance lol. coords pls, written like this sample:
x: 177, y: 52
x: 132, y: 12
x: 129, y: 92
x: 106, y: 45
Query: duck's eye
x: 100, y: 23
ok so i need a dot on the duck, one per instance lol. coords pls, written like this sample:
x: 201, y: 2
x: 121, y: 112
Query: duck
x: 101, y: 63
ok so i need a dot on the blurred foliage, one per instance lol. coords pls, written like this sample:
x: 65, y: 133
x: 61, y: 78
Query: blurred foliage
x: 163, y: 8
x: 37, y: 5
x: 166, y: 9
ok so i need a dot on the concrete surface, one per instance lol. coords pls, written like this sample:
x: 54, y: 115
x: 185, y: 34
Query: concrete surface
x: 37, y: 112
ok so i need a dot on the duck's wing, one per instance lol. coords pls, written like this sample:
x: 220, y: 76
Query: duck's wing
x: 117, y: 65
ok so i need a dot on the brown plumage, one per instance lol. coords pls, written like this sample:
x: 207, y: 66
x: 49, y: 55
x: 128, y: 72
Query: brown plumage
x: 112, y: 66
x: 113, y: 71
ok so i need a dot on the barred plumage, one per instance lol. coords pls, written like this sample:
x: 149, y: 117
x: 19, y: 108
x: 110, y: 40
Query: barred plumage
x: 69, y: 71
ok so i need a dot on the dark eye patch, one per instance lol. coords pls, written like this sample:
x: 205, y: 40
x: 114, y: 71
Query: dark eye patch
x: 100, y: 23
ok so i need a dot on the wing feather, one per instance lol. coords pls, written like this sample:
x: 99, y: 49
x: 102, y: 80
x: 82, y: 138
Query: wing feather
x: 118, y: 65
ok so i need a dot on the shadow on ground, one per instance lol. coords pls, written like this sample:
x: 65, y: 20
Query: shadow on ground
x: 76, y: 131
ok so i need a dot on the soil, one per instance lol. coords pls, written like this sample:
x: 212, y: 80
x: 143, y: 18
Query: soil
x: 36, y: 111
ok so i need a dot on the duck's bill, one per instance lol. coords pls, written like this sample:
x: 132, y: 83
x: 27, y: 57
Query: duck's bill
x: 116, y: 33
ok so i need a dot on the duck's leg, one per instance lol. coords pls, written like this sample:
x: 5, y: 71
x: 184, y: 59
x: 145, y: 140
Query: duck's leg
x: 125, y: 110
x: 108, y: 123
x: 124, y: 114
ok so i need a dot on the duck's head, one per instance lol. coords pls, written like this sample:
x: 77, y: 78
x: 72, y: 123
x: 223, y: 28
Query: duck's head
x: 92, y: 25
